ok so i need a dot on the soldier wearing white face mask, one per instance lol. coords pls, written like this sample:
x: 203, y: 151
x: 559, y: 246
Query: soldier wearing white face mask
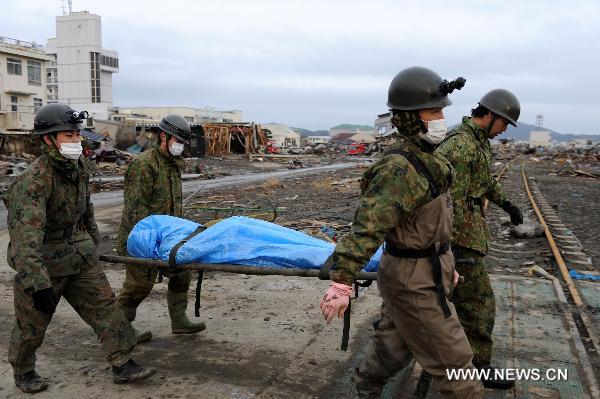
x: 53, y: 249
x: 153, y: 187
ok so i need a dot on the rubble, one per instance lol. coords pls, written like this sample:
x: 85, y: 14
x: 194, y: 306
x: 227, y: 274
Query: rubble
x: 19, y: 168
x: 295, y: 163
x: 536, y: 270
x: 527, y: 229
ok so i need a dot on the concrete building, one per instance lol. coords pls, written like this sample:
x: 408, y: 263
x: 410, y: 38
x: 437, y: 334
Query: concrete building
x: 314, y: 140
x: 80, y: 73
x: 22, y: 84
x: 539, y: 138
x: 282, y: 136
x: 195, y: 116
x: 346, y: 128
x: 383, y: 125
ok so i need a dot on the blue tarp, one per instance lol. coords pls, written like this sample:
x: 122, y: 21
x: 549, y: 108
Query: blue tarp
x: 583, y: 276
x: 237, y: 240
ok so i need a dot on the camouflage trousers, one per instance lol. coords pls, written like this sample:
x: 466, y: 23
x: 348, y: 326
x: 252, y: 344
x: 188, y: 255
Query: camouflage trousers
x: 139, y: 282
x: 413, y: 325
x: 475, y: 305
x: 92, y: 297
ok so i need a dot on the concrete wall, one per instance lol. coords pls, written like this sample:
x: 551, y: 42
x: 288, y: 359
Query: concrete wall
x: 282, y: 135
x: 19, y: 115
x: 383, y: 125
x: 313, y: 140
x: 539, y: 138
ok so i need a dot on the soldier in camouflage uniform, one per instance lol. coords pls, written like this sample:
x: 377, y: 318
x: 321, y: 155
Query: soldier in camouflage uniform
x: 406, y: 203
x: 53, y: 239
x: 468, y: 149
x: 153, y: 186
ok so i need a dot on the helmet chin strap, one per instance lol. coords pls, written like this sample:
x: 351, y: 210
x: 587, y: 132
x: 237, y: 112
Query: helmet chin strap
x: 491, y: 124
x: 54, y: 143
x: 422, y: 123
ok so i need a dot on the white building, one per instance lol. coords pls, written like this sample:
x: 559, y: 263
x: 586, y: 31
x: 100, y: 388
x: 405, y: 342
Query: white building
x: 195, y: 116
x: 282, y: 136
x: 22, y: 83
x: 81, y: 73
x: 383, y: 125
x: 539, y: 138
x: 314, y: 140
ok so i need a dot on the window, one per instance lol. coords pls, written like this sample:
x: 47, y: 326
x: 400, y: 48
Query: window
x: 381, y: 129
x: 109, y: 61
x: 95, y: 76
x: 13, y: 66
x: 37, y: 104
x: 34, y: 73
x: 13, y: 103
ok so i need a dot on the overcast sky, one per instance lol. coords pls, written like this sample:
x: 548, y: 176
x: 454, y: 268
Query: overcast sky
x: 315, y: 64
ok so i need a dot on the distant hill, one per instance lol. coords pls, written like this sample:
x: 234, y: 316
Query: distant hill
x: 521, y: 132
x: 349, y: 126
x: 306, y: 132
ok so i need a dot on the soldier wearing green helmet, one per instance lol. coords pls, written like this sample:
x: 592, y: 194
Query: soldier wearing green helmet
x: 53, y: 239
x: 153, y: 187
x: 468, y: 150
x: 405, y: 203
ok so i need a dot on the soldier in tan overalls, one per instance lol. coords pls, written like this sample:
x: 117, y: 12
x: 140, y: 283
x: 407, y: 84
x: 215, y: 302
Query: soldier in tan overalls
x: 405, y: 203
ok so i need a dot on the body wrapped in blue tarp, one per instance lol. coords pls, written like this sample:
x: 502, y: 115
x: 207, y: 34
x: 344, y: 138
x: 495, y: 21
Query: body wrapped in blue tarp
x: 236, y: 240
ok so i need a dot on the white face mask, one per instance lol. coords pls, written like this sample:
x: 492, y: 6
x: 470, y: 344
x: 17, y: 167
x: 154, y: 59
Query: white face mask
x: 436, y: 131
x: 71, y: 150
x: 176, y: 149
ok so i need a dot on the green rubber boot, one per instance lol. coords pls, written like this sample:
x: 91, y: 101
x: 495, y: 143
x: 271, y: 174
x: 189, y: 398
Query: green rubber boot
x: 180, y: 324
x: 140, y: 336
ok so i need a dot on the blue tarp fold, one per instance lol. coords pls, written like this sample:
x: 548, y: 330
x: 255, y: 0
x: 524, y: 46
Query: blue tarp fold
x: 583, y: 276
x: 237, y: 240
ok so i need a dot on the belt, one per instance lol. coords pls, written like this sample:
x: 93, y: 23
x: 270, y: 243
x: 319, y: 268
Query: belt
x: 59, y: 235
x: 433, y: 254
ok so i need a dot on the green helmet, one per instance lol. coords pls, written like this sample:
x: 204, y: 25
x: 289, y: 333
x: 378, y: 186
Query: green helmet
x: 177, y: 126
x: 504, y: 103
x: 53, y: 118
x: 417, y: 88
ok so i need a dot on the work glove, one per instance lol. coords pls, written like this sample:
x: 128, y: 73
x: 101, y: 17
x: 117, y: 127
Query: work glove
x: 516, y: 217
x: 45, y: 300
x: 335, y: 302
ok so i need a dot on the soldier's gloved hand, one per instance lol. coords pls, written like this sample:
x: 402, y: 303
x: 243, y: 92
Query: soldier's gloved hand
x: 335, y: 301
x: 516, y: 217
x: 45, y: 300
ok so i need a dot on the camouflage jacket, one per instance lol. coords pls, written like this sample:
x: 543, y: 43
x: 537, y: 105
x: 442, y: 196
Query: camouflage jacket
x: 50, y: 221
x: 391, y: 189
x: 152, y: 187
x: 468, y: 149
